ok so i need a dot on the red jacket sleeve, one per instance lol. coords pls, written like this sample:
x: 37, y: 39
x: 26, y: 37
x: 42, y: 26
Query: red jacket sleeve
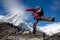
x: 30, y: 9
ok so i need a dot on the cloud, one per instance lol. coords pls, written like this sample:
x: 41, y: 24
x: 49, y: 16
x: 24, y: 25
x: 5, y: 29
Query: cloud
x: 55, y: 5
x: 51, y: 29
x: 14, y: 7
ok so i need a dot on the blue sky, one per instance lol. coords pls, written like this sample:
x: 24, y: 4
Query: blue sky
x: 50, y: 7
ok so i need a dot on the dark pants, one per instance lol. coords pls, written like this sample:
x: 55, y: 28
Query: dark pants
x: 41, y: 18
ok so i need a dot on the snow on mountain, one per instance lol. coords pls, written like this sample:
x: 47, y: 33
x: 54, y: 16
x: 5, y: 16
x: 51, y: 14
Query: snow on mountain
x: 50, y: 29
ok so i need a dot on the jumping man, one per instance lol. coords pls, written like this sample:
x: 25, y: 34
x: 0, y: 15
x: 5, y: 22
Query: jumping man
x: 38, y: 15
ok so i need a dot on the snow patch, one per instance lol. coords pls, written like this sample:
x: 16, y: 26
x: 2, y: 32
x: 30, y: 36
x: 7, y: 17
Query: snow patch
x: 51, y: 29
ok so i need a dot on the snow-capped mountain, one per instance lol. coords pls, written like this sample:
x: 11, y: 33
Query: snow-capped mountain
x: 50, y: 29
x: 16, y: 20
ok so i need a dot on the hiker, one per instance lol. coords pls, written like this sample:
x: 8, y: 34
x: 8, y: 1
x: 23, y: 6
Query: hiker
x: 38, y: 15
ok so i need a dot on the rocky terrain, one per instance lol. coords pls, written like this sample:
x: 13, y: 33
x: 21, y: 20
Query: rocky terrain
x: 7, y: 32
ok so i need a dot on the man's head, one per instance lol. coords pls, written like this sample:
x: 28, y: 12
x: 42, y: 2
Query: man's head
x: 37, y: 8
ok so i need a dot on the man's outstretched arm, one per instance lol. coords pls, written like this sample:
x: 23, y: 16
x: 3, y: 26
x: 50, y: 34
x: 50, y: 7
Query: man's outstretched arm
x: 30, y: 9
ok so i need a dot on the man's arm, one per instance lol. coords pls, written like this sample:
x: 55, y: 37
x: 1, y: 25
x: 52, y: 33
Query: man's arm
x: 30, y: 9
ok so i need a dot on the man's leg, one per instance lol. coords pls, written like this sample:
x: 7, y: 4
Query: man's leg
x: 34, y: 26
x: 43, y: 18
